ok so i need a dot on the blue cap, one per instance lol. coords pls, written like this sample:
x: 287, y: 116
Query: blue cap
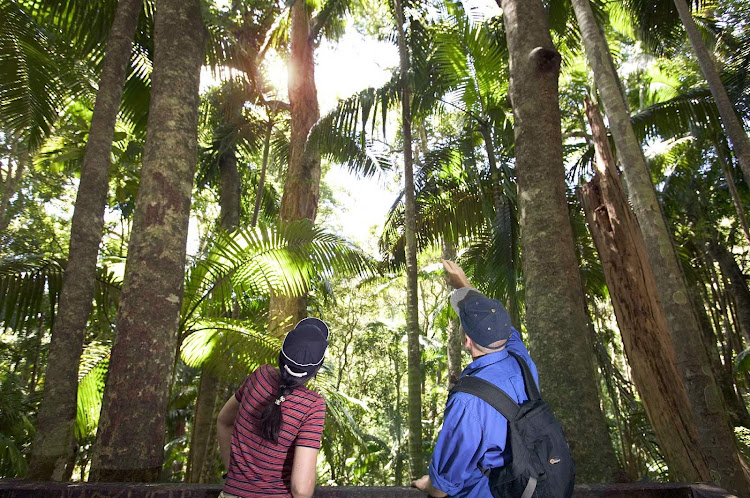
x: 483, y: 319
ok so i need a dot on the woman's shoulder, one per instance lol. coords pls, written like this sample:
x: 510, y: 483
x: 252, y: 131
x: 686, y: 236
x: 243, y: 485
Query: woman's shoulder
x: 311, y: 398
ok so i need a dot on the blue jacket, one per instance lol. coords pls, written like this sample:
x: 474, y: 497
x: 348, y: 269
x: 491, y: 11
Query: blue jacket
x: 474, y: 434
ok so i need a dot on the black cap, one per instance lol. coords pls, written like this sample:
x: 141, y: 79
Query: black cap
x: 483, y: 319
x: 304, y: 347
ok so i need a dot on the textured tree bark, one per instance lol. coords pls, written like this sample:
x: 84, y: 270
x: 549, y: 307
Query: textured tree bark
x: 716, y: 435
x: 54, y: 442
x: 414, y: 372
x: 302, y: 184
x: 130, y: 440
x: 644, y: 328
x: 556, y: 316
x: 732, y: 124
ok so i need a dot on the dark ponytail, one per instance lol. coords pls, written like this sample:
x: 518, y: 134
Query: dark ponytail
x: 300, y: 358
x: 270, y: 420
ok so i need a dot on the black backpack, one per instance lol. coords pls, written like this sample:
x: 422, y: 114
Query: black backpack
x: 541, y: 464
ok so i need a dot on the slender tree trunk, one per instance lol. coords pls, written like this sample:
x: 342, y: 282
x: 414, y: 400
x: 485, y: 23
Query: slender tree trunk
x: 733, y: 403
x: 556, y: 317
x: 644, y: 328
x: 54, y: 441
x: 201, y: 453
x: 203, y: 448
x: 11, y: 182
x: 453, y: 345
x: 231, y: 191
x: 732, y: 124
x: 729, y: 177
x: 716, y: 435
x: 737, y: 283
x: 302, y: 184
x: 263, y: 168
x: 414, y: 376
x: 130, y: 439
x: 37, y: 355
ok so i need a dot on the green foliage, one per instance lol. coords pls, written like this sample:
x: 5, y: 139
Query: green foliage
x: 16, y: 428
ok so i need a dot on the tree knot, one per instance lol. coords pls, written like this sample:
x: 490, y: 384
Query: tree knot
x: 545, y: 59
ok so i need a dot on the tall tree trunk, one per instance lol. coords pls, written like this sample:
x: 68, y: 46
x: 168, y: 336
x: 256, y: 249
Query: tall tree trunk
x: 263, y: 169
x: 203, y: 448
x: 556, y: 316
x: 729, y: 177
x: 732, y: 124
x: 130, y: 439
x: 414, y: 376
x: 54, y: 441
x: 302, y: 184
x: 716, y: 435
x: 453, y: 345
x: 644, y: 328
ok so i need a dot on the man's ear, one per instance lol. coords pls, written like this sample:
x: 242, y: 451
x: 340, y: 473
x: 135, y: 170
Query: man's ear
x: 468, y: 343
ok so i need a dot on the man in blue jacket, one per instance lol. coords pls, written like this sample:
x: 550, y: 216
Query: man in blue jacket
x: 473, y: 437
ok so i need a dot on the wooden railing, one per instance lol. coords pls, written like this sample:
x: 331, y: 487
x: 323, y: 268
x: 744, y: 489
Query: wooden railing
x: 17, y: 488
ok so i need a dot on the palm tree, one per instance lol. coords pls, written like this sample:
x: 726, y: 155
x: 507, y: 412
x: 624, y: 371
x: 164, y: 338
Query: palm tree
x: 717, y: 438
x: 53, y: 446
x: 732, y: 124
x: 416, y: 459
x: 156, y: 257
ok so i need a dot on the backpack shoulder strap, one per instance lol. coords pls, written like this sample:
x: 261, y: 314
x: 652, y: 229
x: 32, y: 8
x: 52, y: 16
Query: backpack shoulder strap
x: 490, y: 393
x: 532, y: 391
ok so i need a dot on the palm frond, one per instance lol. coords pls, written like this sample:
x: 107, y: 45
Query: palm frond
x: 228, y: 348
x: 29, y: 288
x: 692, y: 111
x: 281, y: 258
x: 92, y: 374
x: 31, y: 90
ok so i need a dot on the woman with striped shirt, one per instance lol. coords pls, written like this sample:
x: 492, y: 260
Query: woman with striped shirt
x: 269, y: 431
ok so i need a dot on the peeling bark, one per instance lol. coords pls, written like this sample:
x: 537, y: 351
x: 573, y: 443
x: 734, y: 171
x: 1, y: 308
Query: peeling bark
x: 559, y: 339
x: 54, y: 442
x: 715, y: 432
x: 130, y: 440
x: 644, y: 328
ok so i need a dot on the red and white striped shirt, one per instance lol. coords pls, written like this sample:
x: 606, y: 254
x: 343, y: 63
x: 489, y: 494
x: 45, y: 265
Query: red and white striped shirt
x: 259, y: 467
